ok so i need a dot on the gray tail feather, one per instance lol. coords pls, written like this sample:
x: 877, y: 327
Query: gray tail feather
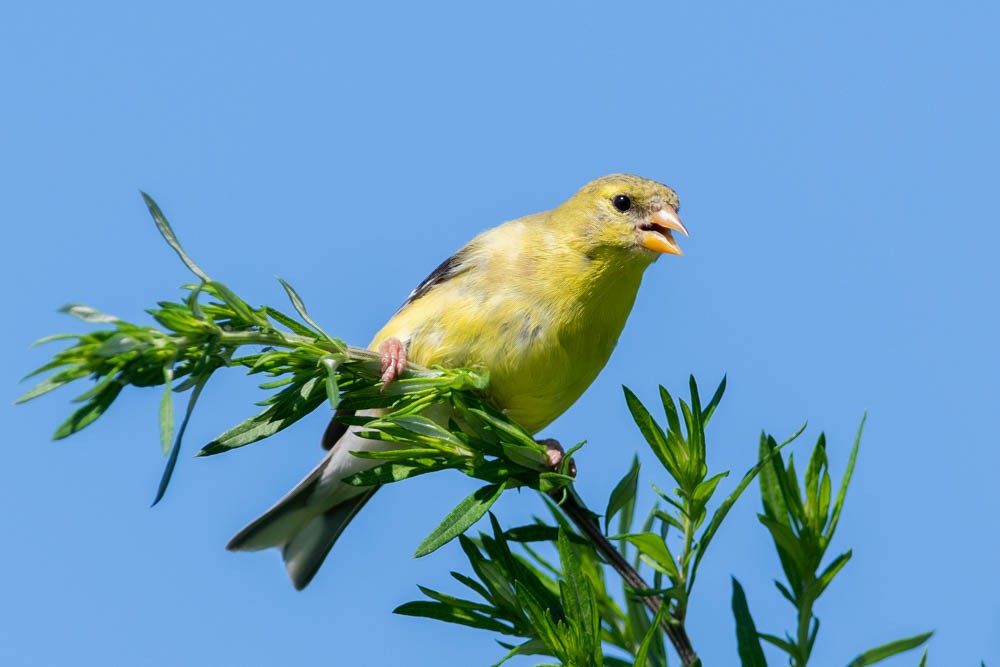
x: 309, y: 546
x: 282, y: 522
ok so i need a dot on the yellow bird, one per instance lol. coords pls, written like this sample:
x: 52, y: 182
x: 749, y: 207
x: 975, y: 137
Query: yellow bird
x: 539, y: 301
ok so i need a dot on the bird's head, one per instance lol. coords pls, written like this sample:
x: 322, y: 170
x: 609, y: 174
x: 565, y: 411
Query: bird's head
x: 623, y: 213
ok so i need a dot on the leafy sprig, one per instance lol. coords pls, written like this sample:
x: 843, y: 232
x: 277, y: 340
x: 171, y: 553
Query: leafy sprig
x: 801, y: 521
x: 212, y: 328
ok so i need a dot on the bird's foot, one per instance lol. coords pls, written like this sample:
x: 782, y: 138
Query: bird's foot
x: 393, y: 360
x: 556, y: 453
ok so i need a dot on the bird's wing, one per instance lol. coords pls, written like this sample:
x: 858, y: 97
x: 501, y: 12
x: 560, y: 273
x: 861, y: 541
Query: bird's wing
x: 448, y: 269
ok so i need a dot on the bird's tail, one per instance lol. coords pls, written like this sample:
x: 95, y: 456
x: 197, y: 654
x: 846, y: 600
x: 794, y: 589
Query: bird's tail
x: 304, y: 537
x: 309, y: 519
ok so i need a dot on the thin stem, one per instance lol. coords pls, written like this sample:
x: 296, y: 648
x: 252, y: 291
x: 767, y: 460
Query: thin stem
x: 581, y: 516
x: 682, y: 566
x: 805, y: 618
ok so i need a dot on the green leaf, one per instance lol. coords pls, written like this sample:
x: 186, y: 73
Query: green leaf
x: 387, y: 473
x: 466, y: 513
x: 784, y: 645
x: 748, y: 644
x: 294, y: 326
x: 814, y: 473
x: 167, y: 411
x: 168, y: 235
x: 244, y: 312
x: 696, y: 438
x: 300, y: 308
x: 788, y: 544
x: 421, y: 426
x: 839, y: 503
x: 923, y: 660
x: 703, y: 492
x: 623, y: 493
x: 830, y: 572
x: 709, y: 410
x: 577, y: 596
x: 290, y: 405
x: 90, y: 412
x: 451, y: 614
x: 670, y: 410
x: 44, y: 387
x: 642, y: 655
x: 770, y: 480
x: 784, y: 590
x: 456, y: 602
x: 793, y: 494
x: 332, y: 391
x: 530, y: 647
x: 652, y: 432
x: 655, y: 549
x: 511, y: 429
x: 871, y: 656
x: 538, y: 532
x: 168, y: 470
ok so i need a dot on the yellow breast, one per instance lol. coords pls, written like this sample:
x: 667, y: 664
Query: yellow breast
x: 540, y: 317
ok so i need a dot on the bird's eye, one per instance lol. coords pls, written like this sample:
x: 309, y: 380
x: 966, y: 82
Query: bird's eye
x: 622, y: 202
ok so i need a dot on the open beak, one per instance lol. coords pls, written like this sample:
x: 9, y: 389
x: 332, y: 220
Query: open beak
x: 655, y: 234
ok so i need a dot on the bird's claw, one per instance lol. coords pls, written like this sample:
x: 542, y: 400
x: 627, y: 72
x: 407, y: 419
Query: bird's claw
x: 393, y: 360
x: 555, y: 454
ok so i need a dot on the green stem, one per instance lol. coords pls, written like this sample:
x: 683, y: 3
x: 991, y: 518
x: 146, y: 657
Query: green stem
x: 682, y: 566
x: 805, y: 621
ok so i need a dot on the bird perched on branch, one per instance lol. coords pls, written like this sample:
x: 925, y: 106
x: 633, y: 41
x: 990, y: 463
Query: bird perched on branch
x: 539, y: 301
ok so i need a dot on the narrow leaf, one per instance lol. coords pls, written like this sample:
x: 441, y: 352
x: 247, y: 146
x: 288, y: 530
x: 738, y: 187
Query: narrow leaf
x: 332, y: 391
x: 168, y: 470
x: 89, y: 413
x: 652, y: 432
x: 167, y: 410
x: 642, y: 655
x: 709, y: 410
x: 830, y: 572
x: 623, y: 493
x: 300, y: 308
x: 293, y: 325
x: 168, y: 235
x: 748, y: 644
x: 655, y: 548
x: 784, y: 645
x: 461, y: 518
x: 839, y: 503
x: 451, y: 614
x: 880, y: 653
x: 577, y: 594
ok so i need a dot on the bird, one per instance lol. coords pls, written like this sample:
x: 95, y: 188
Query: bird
x: 539, y: 302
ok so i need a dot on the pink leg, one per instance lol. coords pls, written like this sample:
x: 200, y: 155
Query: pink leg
x: 393, y: 360
x: 556, y: 453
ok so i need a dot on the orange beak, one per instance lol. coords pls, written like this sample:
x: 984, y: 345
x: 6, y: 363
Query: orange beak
x: 655, y: 234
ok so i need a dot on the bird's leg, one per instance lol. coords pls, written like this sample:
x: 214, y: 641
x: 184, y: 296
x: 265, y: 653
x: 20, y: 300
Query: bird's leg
x: 393, y: 360
x: 555, y: 452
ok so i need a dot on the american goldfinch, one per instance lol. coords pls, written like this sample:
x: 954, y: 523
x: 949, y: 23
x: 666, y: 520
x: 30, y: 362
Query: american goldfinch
x: 539, y: 301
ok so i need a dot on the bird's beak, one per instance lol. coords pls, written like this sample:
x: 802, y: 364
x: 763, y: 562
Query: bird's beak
x: 655, y: 233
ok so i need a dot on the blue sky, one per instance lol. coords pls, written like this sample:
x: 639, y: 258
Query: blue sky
x: 837, y: 166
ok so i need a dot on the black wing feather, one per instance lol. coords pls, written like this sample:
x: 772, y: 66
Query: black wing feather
x: 447, y: 270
